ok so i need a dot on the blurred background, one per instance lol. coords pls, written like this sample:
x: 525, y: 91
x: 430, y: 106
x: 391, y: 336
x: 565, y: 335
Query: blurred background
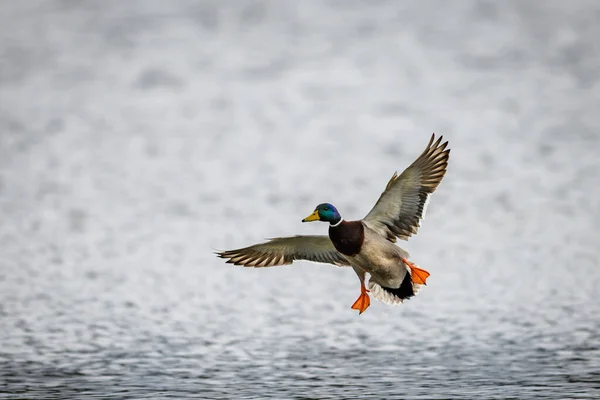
x: 137, y: 137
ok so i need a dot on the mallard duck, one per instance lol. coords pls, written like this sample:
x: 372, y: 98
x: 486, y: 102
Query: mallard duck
x: 366, y: 245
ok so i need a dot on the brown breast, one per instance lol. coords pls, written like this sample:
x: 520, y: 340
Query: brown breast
x: 347, y: 237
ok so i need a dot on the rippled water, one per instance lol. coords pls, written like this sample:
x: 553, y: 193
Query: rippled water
x: 138, y: 137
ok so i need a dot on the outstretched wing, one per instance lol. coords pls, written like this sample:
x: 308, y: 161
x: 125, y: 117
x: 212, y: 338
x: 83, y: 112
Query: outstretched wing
x: 403, y: 203
x: 282, y: 251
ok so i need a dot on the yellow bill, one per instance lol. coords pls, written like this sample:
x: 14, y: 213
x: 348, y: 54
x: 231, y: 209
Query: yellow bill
x: 312, y: 217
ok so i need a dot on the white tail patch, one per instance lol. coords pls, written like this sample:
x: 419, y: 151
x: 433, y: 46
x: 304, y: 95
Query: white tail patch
x: 380, y: 294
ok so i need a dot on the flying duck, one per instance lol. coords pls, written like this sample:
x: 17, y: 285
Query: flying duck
x: 367, y: 245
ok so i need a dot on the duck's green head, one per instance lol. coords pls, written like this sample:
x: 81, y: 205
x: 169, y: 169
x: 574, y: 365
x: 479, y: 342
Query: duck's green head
x: 324, y: 212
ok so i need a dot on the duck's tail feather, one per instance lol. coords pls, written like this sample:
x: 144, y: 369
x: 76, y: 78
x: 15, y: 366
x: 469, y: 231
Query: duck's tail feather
x: 395, y: 296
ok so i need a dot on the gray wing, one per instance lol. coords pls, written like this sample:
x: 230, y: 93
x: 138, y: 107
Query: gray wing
x: 403, y: 203
x: 282, y: 251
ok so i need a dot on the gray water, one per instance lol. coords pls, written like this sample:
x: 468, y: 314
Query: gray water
x: 138, y: 137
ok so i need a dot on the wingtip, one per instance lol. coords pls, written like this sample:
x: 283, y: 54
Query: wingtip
x: 431, y: 139
x: 223, y: 254
x: 218, y: 254
x: 438, y: 142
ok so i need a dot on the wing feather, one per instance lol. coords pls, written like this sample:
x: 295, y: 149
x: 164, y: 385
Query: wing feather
x: 402, y: 205
x: 285, y: 250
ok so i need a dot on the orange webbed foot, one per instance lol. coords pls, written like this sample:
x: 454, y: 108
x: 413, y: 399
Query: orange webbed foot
x: 419, y: 276
x: 363, y: 302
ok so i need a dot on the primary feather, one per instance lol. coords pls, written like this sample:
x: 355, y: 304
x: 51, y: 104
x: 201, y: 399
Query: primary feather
x: 284, y: 250
x: 403, y: 203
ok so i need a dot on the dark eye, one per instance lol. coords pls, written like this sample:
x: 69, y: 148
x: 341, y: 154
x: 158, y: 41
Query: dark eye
x: 326, y: 208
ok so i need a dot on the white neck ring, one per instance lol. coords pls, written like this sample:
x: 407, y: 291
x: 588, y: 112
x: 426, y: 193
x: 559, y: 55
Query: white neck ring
x: 339, y: 222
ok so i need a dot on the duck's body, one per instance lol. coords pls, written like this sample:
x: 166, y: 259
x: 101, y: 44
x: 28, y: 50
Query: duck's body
x: 367, y: 245
x: 367, y: 251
